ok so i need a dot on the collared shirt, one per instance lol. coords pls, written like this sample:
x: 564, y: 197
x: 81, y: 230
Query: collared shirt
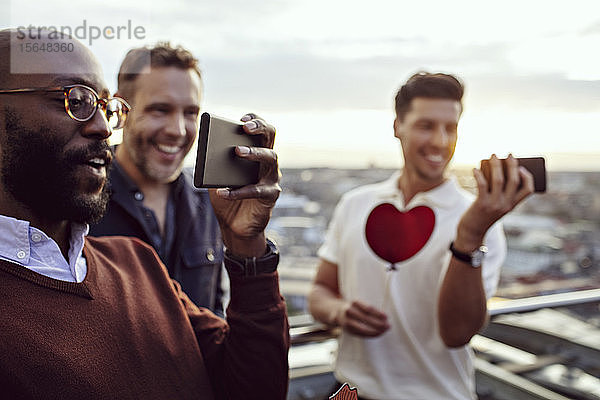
x: 446, y: 195
x: 400, y: 272
x: 163, y: 244
x: 22, y: 244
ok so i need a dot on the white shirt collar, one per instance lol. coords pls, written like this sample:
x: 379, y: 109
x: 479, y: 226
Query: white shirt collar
x: 444, y: 195
x: 30, y: 247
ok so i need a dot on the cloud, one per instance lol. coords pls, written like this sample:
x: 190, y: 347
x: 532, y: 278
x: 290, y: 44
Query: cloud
x: 551, y: 92
x: 284, y: 55
x: 592, y: 29
x: 294, y: 77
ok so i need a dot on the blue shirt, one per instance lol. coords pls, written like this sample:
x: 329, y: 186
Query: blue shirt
x: 22, y: 244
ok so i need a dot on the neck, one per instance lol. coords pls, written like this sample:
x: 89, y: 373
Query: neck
x: 410, y: 184
x: 156, y: 194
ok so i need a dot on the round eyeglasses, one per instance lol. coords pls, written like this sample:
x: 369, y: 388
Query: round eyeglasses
x: 81, y: 103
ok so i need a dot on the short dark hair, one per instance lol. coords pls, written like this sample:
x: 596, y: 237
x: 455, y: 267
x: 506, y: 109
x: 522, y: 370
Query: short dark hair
x: 160, y: 55
x: 429, y: 85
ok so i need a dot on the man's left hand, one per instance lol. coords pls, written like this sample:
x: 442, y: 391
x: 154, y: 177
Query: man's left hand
x: 243, y: 213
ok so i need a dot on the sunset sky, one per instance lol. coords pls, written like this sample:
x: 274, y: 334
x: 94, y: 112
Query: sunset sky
x: 325, y: 72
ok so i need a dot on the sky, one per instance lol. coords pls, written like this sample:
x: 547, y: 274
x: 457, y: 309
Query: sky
x: 325, y: 73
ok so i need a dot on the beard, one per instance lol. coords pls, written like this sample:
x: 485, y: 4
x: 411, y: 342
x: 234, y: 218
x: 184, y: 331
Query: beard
x: 139, y: 149
x: 39, y: 173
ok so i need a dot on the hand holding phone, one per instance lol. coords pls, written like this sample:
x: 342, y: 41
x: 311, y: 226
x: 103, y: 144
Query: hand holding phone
x: 217, y: 165
x: 535, y: 165
x: 248, y: 182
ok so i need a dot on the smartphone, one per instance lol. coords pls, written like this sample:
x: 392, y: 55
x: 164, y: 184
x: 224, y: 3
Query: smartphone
x: 217, y: 165
x: 535, y: 165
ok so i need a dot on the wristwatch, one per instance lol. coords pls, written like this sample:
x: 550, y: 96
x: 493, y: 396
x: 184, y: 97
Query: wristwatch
x: 252, y: 266
x: 474, y: 258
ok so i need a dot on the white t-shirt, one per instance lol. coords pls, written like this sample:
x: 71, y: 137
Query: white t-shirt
x: 409, y: 361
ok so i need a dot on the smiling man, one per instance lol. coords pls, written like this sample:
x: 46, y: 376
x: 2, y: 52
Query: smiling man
x: 401, y: 268
x: 99, y: 318
x: 151, y: 198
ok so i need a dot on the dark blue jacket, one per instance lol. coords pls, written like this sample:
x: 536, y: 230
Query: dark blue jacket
x: 197, y: 254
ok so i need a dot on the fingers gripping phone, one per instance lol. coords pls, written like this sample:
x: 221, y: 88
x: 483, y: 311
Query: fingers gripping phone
x: 217, y: 165
x: 535, y: 165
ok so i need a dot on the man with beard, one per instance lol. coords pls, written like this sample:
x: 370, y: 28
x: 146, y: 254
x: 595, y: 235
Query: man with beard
x: 403, y: 268
x: 150, y: 196
x: 99, y: 318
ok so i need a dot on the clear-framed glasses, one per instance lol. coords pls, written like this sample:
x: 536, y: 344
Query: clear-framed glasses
x: 81, y: 103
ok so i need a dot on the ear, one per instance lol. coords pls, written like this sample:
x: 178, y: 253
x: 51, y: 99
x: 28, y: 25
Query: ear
x: 398, y: 129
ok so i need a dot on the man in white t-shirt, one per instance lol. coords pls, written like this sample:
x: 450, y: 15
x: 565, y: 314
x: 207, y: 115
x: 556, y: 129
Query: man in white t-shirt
x: 408, y: 264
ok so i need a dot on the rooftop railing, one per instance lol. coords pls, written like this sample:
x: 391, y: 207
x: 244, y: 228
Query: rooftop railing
x: 496, y: 379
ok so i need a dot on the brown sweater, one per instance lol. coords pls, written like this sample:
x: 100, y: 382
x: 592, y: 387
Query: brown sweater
x: 128, y: 332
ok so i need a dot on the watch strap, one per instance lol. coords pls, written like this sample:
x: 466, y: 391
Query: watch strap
x: 474, y: 259
x: 252, y: 266
x: 459, y: 255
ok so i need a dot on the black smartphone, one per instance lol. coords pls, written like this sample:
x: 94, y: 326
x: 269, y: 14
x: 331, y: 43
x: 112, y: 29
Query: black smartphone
x: 217, y: 165
x: 535, y: 165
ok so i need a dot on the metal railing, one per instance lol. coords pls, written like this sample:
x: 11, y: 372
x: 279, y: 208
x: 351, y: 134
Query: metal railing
x: 305, y: 329
x: 546, y: 301
x: 503, y: 383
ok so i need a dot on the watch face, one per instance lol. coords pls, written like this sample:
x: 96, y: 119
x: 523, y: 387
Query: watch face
x: 477, y: 256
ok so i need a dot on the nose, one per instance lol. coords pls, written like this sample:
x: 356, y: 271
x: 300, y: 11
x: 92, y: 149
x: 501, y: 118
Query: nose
x: 440, y: 137
x: 97, y: 126
x: 176, y: 125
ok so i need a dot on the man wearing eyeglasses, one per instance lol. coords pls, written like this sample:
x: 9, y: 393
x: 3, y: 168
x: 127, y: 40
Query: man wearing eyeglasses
x: 86, y: 317
x: 151, y: 198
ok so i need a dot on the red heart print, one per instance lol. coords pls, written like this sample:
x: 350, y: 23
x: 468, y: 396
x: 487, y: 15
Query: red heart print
x: 397, y: 236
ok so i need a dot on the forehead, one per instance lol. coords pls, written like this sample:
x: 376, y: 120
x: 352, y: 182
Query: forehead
x: 169, y: 84
x: 70, y: 63
x: 445, y: 110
